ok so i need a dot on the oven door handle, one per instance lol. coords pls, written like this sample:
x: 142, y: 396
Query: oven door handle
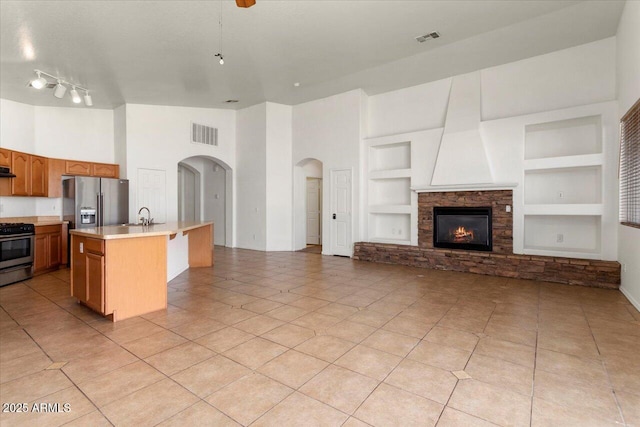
x: 15, y: 237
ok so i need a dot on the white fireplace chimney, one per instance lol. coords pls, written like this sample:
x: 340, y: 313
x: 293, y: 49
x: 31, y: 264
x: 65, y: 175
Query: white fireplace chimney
x: 462, y: 158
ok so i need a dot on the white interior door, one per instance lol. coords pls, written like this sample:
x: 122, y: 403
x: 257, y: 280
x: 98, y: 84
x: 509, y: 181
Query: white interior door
x: 341, y: 212
x: 314, y: 216
x: 152, y: 193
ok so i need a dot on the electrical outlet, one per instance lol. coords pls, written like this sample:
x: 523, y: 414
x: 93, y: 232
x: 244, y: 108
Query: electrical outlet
x: 254, y: 237
x: 508, y: 208
x: 1, y: 207
x: 560, y: 238
x: 560, y: 194
x: 624, y: 267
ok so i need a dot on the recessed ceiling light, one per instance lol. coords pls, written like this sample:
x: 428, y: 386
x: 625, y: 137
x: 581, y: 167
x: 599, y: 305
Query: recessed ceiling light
x: 432, y: 35
x: 297, y: 84
x: 231, y: 101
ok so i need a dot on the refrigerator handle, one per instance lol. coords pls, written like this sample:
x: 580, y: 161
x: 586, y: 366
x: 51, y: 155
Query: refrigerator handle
x: 99, y: 210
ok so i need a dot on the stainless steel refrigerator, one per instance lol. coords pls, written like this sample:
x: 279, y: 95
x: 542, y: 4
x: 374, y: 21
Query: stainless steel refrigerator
x: 95, y: 202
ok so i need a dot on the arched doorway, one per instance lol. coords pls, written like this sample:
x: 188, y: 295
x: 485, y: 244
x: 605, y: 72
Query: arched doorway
x: 210, y: 180
x: 308, y: 205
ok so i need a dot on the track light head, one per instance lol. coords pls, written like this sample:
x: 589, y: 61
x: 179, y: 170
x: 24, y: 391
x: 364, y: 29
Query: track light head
x: 75, y: 96
x: 39, y: 82
x: 221, y: 58
x: 59, y: 90
x: 87, y: 99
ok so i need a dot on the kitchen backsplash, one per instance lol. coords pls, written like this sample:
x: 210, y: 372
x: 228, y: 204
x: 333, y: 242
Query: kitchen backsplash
x: 30, y: 206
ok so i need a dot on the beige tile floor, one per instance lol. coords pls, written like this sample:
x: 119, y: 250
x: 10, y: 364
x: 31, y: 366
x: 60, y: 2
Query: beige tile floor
x: 299, y: 339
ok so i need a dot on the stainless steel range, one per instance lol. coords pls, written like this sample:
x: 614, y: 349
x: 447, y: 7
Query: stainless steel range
x: 16, y: 252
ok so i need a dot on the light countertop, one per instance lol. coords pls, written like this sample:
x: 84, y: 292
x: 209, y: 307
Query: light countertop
x: 35, y: 220
x: 133, y: 231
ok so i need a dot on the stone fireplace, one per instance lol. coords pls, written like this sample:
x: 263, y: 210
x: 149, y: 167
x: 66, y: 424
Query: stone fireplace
x: 499, y: 260
x: 462, y: 228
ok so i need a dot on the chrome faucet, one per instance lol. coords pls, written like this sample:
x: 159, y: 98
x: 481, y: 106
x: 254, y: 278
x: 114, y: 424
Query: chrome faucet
x: 148, y: 220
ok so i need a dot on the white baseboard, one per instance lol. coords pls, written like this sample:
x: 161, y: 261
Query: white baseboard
x: 631, y: 299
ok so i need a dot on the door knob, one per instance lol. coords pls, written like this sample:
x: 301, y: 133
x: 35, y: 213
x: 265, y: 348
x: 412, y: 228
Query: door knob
x: 334, y: 216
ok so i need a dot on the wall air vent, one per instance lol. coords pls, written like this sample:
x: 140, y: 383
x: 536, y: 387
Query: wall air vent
x: 231, y: 101
x: 201, y: 134
x: 433, y: 35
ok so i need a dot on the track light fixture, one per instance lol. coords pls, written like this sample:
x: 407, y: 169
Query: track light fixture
x: 87, y: 99
x: 75, y: 96
x: 39, y: 82
x: 61, y: 88
x: 221, y: 58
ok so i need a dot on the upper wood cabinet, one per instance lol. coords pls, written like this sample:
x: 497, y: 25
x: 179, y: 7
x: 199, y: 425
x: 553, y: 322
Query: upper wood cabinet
x: 42, y: 177
x: 21, y: 168
x: 31, y: 175
x: 76, y: 167
x: 5, y: 157
x: 105, y: 170
x: 39, y: 176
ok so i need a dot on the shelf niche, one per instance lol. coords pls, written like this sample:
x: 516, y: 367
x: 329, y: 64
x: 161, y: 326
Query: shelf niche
x: 563, y: 233
x: 390, y: 156
x: 562, y: 138
x: 389, y: 227
x: 579, y: 185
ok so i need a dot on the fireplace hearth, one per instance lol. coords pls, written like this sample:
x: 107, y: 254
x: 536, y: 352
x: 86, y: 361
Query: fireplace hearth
x: 462, y: 228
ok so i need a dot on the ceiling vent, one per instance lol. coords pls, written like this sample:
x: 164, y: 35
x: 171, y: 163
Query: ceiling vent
x: 201, y: 134
x: 231, y: 101
x: 433, y: 35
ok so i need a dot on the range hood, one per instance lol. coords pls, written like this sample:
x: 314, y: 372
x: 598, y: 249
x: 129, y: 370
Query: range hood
x: 6, y: 173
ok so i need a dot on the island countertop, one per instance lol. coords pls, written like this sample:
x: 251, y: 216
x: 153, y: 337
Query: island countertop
x: 133, y: 231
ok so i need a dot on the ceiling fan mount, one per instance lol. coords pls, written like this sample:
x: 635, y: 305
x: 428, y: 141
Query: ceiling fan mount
x: 245, y: 3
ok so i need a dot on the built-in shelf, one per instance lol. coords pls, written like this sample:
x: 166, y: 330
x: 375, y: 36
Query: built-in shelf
x: 390, y: 227
x: 564, y: 162
x: 390, y: 156
x: 571, y: 137
x: 563, y: 188
x: 574, y: 209
x: 390, y: 173
x: 391, y: 206
x: 395, y: 209
x: 390, y: 241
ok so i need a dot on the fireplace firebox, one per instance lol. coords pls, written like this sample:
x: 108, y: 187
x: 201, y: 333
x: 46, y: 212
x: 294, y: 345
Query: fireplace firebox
x: 462, y: 228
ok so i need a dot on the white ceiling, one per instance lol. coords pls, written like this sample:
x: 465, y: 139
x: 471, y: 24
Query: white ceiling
x: 162, y: 52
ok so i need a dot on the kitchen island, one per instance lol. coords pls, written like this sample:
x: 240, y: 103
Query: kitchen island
x: 121, y: 271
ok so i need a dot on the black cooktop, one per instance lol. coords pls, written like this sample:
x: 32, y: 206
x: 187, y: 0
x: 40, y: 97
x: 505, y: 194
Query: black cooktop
x: 11, y: 228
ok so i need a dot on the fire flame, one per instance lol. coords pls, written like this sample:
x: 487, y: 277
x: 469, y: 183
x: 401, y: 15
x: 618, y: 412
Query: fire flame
x: 462, y: 234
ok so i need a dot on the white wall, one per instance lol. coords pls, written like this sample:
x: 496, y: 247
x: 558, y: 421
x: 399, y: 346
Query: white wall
x: 251, y: 221
x: 17, y: 132
x: 75, y: 133
x: 159, y: 137
x: 628, y: 88
x: 577, y: 76
x: 279, y: 177
x: 330, y: 130
x: 58, y: 132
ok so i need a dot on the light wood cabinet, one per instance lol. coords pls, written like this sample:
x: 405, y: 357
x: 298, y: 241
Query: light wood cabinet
x: 75, y: 167
x: 38, y: 176
x: 42, y: 177
x: 49, y: 244
x: 105, y: 170
x: 31, y: 175
x: 5, y: 157
x: 88, y: 272
x: 21, y: 168
x: 5, y: 183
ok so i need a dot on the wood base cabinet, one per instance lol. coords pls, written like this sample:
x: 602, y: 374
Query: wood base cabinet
x: 121, y: 278
x: 49, y: 244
